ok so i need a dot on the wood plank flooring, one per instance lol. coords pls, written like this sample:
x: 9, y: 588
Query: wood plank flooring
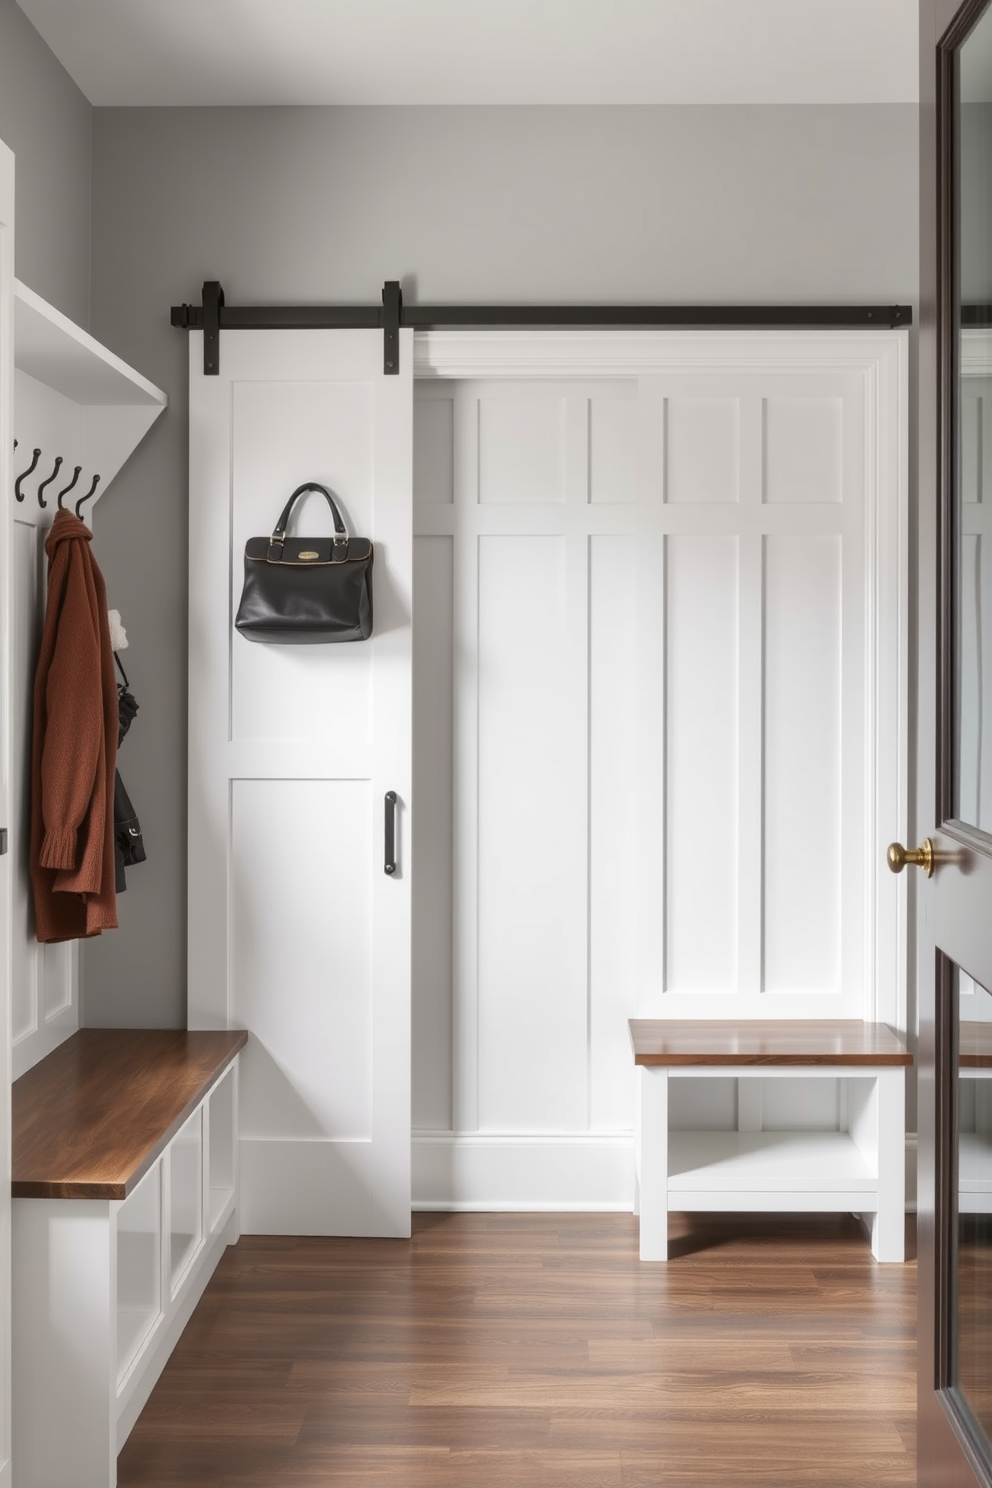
x: 502, y: 1350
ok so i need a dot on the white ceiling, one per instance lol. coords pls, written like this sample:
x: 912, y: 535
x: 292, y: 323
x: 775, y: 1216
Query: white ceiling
x: 178, y: 52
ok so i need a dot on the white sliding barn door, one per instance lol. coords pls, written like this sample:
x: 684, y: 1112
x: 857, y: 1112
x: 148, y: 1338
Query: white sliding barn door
x: 296, y: 933
x: 661, y: 654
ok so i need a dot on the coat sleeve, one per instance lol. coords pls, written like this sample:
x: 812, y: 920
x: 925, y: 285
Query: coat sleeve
x: 73, y: 743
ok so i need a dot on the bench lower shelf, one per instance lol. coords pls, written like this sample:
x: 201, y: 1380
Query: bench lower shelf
x: 809, y: 1172
x: 857, y: 1168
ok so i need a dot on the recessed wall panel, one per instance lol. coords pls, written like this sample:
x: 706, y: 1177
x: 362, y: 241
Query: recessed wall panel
x: 802, y: 764
x: 433, y: 884
x: 972, y: 452
x: 701, y: 750
x: 612, y: 826
x: 433, y: 451
x: 532, y: 1006
x: 521, y: 449
x: 613, y: 437
x: 57, y: 980
x: 799, y: 1105
x: 702, y: 1105
x: 703, y: 449
x: 301, y: 979
x: 803, y: 450
x: 285, y: 434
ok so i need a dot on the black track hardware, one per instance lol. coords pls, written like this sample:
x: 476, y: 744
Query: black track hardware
x: 214, y: 316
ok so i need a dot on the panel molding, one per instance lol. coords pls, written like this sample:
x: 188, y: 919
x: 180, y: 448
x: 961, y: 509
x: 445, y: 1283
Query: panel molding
x: 880, y: 360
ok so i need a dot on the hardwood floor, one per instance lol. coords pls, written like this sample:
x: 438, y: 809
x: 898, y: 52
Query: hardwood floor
x: 496, y: 1350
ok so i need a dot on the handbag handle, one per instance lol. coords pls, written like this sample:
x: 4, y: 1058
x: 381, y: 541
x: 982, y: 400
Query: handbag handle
x: 279, y: 531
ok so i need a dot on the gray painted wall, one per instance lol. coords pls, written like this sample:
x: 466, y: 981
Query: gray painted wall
x: 47, y: 122
x: 534, y: 204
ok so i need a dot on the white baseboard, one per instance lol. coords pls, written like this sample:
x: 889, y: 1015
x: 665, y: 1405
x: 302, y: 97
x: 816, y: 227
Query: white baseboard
x: 592, y: 1171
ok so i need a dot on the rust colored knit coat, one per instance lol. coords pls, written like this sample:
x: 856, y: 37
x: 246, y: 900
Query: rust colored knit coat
x: 74, y: 747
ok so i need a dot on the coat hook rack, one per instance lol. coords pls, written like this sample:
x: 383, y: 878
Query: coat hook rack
x: 58, y: 466
x: 18, y: 493
x: 66, y: 489
x: 89, y: 493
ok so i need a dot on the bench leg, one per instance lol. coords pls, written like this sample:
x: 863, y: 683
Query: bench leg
x: 653, y: 1163
x: 888, y: 1234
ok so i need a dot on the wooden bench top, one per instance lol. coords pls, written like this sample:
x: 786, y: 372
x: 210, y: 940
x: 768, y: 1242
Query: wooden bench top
x: 723, y: 1041
x: 91, y: 1118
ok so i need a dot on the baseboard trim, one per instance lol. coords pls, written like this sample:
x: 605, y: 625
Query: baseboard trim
x: 507, y: 1172
x: 592, y: 1171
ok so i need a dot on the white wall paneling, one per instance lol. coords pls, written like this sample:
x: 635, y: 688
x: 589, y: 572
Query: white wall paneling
x: 664, y: 650
x: 295, y: 932
x: 74, y: 398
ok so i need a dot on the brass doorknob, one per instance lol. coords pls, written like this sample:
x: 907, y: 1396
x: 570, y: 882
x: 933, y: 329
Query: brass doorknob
x: 921, y: 857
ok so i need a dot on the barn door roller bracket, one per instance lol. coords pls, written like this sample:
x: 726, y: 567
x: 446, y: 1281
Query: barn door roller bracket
x: 213, y: 300
x: 392, y: 310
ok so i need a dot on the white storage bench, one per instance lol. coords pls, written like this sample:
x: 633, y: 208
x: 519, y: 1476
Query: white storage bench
x: 125, y: 1188
x: 859, y: 1169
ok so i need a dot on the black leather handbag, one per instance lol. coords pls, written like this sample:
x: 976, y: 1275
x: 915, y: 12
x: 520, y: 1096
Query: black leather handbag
x: 307, y: 591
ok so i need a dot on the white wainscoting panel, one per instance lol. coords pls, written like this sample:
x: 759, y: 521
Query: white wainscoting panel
x: 660, y: 648
x: 612, y: 844
x: 700, y: 763
x: 802, y: 789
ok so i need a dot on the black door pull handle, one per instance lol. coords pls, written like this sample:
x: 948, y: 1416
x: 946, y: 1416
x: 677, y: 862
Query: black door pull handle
x: 390, y: 864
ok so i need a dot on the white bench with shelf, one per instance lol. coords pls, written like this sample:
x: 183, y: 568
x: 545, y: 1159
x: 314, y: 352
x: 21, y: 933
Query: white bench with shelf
x: 858, y: 1168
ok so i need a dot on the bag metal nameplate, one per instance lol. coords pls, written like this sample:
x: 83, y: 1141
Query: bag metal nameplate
x: 307, y: 556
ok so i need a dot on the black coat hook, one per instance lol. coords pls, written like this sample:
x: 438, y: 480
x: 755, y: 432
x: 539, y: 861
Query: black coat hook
x: 24, y: 474
x: 66, y: 489
x: 89, y: 493
x: 58, y: 466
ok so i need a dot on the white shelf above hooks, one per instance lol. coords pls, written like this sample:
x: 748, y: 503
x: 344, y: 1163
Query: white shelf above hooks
x: 75, y: 399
